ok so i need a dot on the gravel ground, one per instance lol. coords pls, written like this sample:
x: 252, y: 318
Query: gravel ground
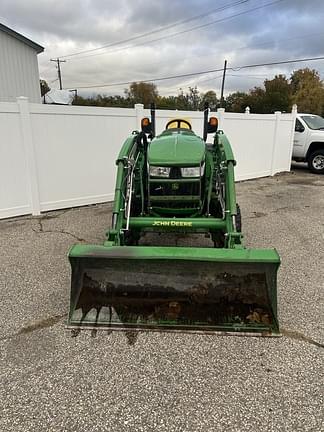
x: 163, y: 381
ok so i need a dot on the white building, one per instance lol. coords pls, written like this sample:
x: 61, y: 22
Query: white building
x: 19, y: 74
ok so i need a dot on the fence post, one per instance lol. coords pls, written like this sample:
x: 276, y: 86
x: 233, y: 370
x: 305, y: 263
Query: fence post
x: 27, y: 138
x: 275, y: 140
x: 220, y: 115
x: 292, y: 135
x: 139, y: 111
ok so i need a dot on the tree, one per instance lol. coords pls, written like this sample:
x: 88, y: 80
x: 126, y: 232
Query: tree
x: 166, y: 102
x: 236, y: 102
x: 44, y: 87
x: 277, y: 94
x: 182, y: 100
x: 189, y: 101
x: 256, y: 100
x: 209, y: 97
x: 142, y: 92
x: 300, y: 76
x: 308, y: 91
x: 193, y: 98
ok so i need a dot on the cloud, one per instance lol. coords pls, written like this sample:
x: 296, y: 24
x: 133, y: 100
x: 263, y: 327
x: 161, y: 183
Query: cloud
x: 285, y: 30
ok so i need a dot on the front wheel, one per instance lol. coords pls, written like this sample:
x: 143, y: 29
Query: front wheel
x: 316, y: 161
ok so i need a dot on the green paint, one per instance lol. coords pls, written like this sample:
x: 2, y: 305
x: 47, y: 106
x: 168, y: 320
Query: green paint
x: 176, y: 149
x: 190, y: 224
x: 269, y: 256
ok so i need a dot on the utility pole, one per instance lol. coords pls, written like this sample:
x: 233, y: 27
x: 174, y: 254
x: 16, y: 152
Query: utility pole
x: 58, y: 61
x: 223, y: 83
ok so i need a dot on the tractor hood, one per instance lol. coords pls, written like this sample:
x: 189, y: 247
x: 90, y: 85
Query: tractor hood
x: 176, y: 148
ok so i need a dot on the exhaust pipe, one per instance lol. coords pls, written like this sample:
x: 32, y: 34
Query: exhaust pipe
x: 153, y: 118
x: 206, y: 111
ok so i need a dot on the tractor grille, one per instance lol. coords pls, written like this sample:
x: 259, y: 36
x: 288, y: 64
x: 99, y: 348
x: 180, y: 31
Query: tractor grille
x: 174, y: 188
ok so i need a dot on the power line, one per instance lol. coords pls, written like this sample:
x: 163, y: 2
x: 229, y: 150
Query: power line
x: 151, y: 80
x: 280, y: 40
x: 212, y: 11
x: 195, y: 83
x: 208, y: 79
x: 260, y: 65
x: 249, y: 76
x: 253, y: 46
x: 249, y: 46
x: 234, y: 69
x: 183, y: 31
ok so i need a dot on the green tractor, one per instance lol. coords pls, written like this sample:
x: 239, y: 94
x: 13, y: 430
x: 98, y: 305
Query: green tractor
x: 175, y: 184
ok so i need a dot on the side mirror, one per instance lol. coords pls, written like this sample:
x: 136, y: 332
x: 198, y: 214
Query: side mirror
x: 212, y: 125
x: 146, y: 125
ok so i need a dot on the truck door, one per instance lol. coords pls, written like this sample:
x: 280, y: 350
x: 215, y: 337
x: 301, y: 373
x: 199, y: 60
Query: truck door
x: 300, y: 139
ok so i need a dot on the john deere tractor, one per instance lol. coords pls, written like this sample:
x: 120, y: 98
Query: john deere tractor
x: 175, y: 183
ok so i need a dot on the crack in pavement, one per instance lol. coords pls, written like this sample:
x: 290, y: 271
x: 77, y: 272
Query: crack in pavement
x: 54, y: 215
x: 36, y: 325
x: 44, y: 323
x: 62, y: 231
x: 291, y: 334
x: 257, y: 214
x: 21, y: 219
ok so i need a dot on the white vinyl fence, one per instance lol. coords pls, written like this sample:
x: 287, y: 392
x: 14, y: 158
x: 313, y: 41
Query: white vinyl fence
x: 54, y: 157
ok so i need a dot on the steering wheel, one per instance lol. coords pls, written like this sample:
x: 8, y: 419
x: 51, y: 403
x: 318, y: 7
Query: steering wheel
x: 178, y: 122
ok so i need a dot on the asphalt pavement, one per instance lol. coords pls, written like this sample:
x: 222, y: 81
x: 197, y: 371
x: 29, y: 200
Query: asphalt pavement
x: 50, y: 381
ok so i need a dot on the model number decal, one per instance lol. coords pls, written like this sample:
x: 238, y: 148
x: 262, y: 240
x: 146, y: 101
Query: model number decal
x: 172, y: 223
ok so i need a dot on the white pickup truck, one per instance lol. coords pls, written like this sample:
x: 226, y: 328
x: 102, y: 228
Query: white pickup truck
x: 309, y: 141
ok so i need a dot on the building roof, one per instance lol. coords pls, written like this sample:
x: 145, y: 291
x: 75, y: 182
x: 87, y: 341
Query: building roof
x: 13, y: 33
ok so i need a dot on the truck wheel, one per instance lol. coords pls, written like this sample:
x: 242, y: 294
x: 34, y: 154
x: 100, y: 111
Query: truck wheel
x: 316, y: 161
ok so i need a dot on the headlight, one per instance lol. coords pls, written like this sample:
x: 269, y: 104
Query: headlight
x: 159, y: 171
x: 192, y: 171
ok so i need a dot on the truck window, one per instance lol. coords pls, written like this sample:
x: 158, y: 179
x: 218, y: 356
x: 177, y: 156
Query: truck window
x: 314, y: 122
x: 298, y: 126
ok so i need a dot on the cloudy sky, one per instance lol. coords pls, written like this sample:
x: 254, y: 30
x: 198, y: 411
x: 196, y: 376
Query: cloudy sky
x: 180, y: 37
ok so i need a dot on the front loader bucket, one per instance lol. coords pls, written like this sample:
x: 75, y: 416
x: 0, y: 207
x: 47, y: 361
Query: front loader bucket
x: 227, y: 290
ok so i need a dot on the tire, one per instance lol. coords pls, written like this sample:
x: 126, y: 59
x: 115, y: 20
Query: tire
x: 238, y: 219
x: 131, y: 238
x: 316, y: 162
